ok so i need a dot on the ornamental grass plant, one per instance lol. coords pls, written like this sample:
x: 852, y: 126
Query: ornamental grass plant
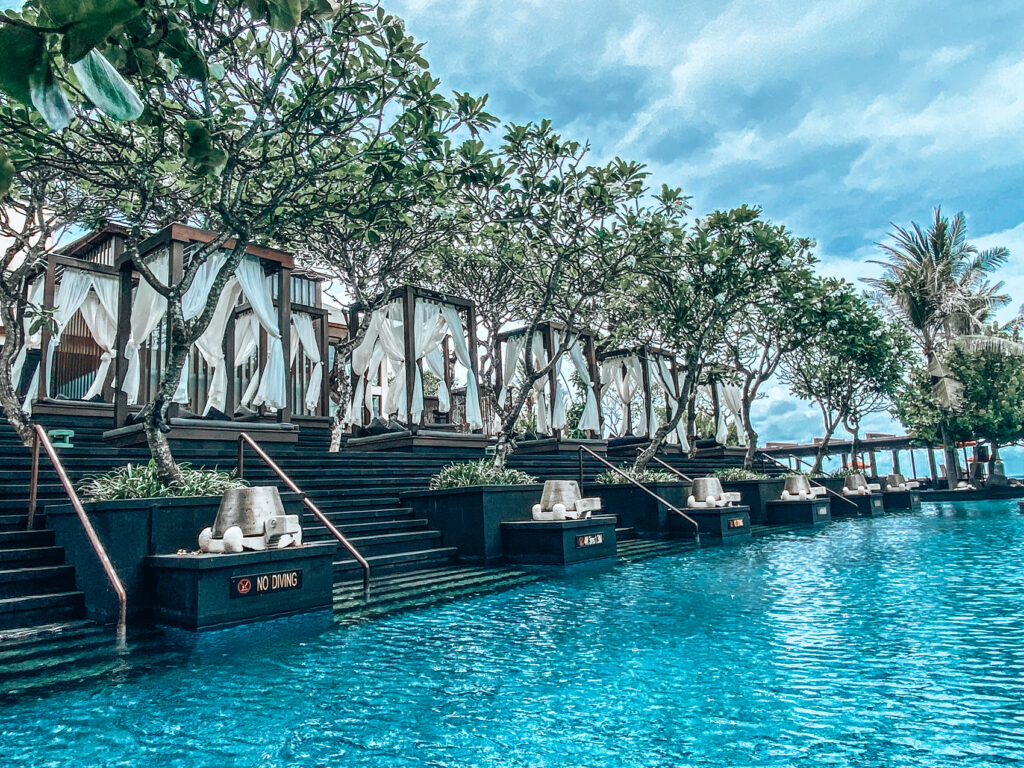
x: 140, y: 481
x: 644, y: 476
x: 473, y: 473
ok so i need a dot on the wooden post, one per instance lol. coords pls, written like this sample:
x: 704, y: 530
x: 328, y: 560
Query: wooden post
x: 284, y: 325
x: 645, y: 377
x: 913, y: 466
x: 873, y: 463
x: 595, y: 378
x: 325, y: 356
x: 842, y: 456
x: 49, y: 289
x: 716, y: 408
x: 932, y: 469
x: 896, y: 461
x: 471, y: 341
x: 124, y: 325
x: 548, y: 342
x: 409, y: 333
x: 229, y: 366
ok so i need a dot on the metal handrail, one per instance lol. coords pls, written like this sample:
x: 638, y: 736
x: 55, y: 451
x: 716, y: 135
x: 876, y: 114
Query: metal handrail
x: 810, y: 480
x: 40, y: 438
x: 579, y: 452
x: 244, y: 438
x: 672, y: 469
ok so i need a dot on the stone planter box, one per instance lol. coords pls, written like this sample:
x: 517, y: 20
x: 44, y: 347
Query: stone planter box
x: 130, y: 531
x: 756, y: 494
x: 640, y: 511
x: 717, y: 524
x: 870, y: 505
x: 559, y: 542
x: 470, y: 518
x: 208, y: 591
x: 902, y: 499
x: 809, y: 512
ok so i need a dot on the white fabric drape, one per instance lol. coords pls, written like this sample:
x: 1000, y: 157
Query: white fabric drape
x: 460, y: 344
x: 590, y: 420
x: 381, y: 340
x: 257, y: 289
x: 429, y: 332
x: 148, y: 309
x: 541, y: 406
x: 721, y: 428
x: 302, y: 324
x: 71, y: 294
x: 673, y: 389
x: 514, y: 346
x: 29, y: 340
x: 247, y: 341
x: 732, y: 397
x: 559, y: 415
x: 99, y: 310
x: 625, y: 376
x: 210, y: 344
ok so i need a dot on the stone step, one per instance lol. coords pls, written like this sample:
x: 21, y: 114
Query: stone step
x: 27, y: 611
x: 22, y: 539
x: 24, y: 557
x: 348, y: 570
x: 21, y: 582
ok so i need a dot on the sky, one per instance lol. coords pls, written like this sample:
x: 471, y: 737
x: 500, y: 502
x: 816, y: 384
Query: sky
x: 837, y: 117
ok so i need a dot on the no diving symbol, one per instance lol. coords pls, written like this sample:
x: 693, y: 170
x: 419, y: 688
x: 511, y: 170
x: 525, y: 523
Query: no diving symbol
x: 244, y: 586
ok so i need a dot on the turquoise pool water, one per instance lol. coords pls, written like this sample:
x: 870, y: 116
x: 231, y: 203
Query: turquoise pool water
x: 897, y: 641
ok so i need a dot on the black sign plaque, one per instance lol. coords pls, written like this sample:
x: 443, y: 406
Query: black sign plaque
x: 265, y: 583
x: 589, y: 540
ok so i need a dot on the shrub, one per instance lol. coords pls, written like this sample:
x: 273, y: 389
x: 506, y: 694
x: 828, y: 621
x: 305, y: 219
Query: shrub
x: 738, y: 473
x: 647, y: 476
x: 139, y: 481
x: 481, y: 472
x: 844, y: 471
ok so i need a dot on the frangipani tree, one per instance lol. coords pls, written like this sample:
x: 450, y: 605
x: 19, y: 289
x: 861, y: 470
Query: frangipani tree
x: 690, y: 298
x: 557, y: 237
x: 850, y: 368
x: 285, y: 110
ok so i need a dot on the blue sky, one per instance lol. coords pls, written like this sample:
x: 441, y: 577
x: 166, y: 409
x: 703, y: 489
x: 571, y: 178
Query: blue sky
x: 836, y: 116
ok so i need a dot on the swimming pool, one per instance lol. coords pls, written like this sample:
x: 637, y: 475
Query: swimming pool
x: 890, y: 641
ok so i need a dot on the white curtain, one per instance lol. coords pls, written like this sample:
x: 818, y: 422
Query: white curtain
x: 429, y: 332
x: 514, y: 346
x: 257, y: 289
x: 29, y: 340
x: 673, y: 389
x: 247, y: 339
x: 559, y: 417
x: 302, y: 324
x: 721, y: 428
x: 148, y: 309
x: 625, y: 375
x: 731, y: 397
x: 99, y: 310
x: 451, y: 317
x: 212, y: 346
x: 590, y: 420
x: 71, y: 294
x: 541, y: 406
x: 383, y: 339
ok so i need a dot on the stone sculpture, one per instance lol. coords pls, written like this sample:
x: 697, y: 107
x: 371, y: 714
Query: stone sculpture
x: 562, y: 500
x: 251, y: 518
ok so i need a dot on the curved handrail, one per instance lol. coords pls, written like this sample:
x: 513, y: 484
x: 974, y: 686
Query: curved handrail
x: 243, y: 439
x: 810, y: 480
x: 582, y: 448
x: 672, y: 469
x: 40, y: 438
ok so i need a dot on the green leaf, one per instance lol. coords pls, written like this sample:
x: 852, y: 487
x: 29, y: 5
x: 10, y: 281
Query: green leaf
x: 23, y: 53
x: 6, y: 173
x: 89, y: 22
x: 207, y: 159
x: 49, y: 99
x: 106, y: 88
x: 284, y: 14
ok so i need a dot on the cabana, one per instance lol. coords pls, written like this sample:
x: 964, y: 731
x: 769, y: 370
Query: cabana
x: 627, y: 374
x: 235, y: 377
x: 551, y: 395
x: 411, y: 331
x: 726, y: 400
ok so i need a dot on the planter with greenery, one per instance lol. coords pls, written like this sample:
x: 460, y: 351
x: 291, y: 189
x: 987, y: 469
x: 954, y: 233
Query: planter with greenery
x: 635, y: 509
x: 135, y: 516
x: 468, y: 502
x: 755, y: 488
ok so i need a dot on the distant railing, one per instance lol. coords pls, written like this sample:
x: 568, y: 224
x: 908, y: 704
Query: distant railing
x: 583, y: 449
x: 40, y: 438
x: 243, y: 440
x: 810, y: 479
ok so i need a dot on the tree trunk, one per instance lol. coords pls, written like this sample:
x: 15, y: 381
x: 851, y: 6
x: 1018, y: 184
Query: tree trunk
x: 750, y: 432
x: 822, y: 449
x: 9, y: 399
x: 504, y: 447
x: 658, y: 438
x: 952, y: 473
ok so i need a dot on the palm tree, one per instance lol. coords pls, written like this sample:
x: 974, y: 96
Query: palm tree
x: 937, y: 284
